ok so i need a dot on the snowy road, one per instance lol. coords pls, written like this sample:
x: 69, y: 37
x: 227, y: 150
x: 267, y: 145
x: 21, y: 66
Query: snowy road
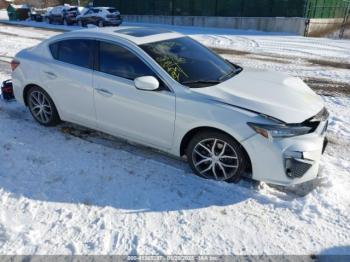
x: 69, y: 190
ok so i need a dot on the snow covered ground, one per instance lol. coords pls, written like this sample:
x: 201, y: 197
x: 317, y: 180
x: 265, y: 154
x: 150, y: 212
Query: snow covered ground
x: 69, y: 190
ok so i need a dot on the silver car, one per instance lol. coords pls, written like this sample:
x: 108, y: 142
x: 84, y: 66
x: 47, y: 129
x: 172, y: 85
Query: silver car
x: 167, y: 91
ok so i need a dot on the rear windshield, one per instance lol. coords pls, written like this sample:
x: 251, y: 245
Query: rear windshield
x: 72, y: 9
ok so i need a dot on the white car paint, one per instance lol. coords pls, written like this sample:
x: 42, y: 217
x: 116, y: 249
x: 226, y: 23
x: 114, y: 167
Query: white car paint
x: 275, y: 94
x: 161, y: 119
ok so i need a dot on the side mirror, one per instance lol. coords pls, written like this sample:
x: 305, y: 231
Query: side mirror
x: 147, y: 83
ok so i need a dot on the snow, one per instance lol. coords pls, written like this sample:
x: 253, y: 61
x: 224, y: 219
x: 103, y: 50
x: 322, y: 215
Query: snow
x: 70, y: 190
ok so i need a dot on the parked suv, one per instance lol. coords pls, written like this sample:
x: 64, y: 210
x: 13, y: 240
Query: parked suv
x: 64, y: 14
x: 100, y: 16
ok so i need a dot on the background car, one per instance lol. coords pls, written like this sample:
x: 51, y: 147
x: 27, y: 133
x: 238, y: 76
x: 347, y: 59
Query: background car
x: 36, y: 14
x: 100, y: 16
x: 45, y: 15
x: 64, y: 14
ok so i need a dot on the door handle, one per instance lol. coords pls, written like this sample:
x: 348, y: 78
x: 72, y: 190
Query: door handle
x: 104, y: 92
x: 50, y: 75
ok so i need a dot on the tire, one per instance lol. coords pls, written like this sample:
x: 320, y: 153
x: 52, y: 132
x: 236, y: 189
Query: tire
x: 65, y: 22
x: 50, y: 21
x: 228, y: 162
x: 80, y: 23
x: 100, y: 23
x: 42, y: 107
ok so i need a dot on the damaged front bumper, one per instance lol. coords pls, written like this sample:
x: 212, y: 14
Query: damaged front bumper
x: 288, y: 161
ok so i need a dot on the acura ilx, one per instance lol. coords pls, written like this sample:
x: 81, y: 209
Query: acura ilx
x: 165, y: 90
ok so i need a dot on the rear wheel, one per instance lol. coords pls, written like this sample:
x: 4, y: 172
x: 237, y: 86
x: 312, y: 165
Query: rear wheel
x: 215, y: 155
x: 100, y: 23
x: 42, y: 107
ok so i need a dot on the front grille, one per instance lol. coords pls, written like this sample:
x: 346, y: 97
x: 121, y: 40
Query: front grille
x: 296, y: 168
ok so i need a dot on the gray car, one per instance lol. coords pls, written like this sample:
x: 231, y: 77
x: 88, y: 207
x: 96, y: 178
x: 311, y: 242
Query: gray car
x: 100, y: 16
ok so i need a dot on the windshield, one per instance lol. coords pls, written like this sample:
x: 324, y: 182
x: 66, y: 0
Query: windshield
x: 190, y: 63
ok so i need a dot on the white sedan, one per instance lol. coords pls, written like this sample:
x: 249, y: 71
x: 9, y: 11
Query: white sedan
x: 167, y: 91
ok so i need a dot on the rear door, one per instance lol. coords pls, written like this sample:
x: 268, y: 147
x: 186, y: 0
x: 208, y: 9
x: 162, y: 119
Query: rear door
x: 68, y: 77
x: 95, y: 17
x: 86, y: 18
x: 56, y: 14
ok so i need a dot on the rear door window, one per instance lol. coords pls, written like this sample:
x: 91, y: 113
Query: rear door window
x: 77, y: 52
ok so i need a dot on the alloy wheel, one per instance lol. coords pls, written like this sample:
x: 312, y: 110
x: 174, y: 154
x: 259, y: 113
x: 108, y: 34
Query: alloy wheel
x: 40, y: 107
x: 215, y: 159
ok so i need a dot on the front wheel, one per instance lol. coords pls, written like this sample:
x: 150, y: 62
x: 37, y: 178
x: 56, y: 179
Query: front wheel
x: 42, y: 107
x: 215, y: 155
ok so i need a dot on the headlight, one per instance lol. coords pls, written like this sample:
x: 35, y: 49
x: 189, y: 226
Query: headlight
x: 280, y: 130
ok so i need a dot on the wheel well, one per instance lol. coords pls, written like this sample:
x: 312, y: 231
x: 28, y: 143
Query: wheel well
x: 25, y: 92
x: 187, y: 138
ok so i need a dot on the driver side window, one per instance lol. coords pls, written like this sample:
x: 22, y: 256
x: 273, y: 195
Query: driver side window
x: 118, y: 61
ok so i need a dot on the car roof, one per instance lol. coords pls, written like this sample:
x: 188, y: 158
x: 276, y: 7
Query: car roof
x: 137, y: 35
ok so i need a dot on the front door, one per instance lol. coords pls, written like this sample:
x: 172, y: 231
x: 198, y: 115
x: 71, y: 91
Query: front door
x: 144, y: 116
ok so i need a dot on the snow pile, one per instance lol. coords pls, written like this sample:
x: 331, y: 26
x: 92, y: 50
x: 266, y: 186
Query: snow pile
x: 68, y: 190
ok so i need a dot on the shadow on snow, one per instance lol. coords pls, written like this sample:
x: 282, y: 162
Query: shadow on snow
x: 52, y: 164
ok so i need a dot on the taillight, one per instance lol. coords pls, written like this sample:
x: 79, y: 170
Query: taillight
x: 14, y: 64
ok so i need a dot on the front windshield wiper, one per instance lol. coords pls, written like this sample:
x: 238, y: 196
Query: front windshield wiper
x: 209, y: 82
x: 230, y: 74
x: 214, y: 82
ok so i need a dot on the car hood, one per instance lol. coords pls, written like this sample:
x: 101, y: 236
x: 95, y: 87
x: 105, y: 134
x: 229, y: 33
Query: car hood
x: 271, y: 93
